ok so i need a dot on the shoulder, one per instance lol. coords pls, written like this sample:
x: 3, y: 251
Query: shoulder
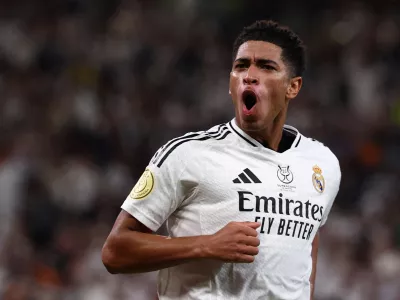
x: 183, y: 148
x: 319, y: 151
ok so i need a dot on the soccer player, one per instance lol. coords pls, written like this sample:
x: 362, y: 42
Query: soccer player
x: 242, y: 201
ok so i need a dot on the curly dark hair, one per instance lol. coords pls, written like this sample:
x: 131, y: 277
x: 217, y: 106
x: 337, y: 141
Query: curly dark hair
x: 293, y: 48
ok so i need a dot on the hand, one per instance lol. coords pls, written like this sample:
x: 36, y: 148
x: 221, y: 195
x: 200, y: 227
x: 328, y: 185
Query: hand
x: 236, y: 242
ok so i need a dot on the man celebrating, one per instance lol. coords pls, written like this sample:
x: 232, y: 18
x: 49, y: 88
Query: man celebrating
x: 243, y: 201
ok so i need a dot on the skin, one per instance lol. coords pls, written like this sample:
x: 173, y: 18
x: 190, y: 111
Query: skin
x: 259, y: 67
x: 133, y: 248
x: 314, y: 256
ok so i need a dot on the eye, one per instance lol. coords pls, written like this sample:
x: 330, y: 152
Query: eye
x: 267, y: 67
x: 240, y: 66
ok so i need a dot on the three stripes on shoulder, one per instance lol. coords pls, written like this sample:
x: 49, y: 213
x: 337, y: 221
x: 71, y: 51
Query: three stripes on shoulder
x: 162, y: 154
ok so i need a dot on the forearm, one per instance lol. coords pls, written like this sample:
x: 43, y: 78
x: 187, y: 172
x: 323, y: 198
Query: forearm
x: 136, y: 252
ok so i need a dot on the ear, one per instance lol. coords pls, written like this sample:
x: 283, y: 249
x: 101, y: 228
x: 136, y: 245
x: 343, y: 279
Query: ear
x: 294, y: 87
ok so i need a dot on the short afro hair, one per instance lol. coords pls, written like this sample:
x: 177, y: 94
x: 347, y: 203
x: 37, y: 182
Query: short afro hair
x: 293, y: 48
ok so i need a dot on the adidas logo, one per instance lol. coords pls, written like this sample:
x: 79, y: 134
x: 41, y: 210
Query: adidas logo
x: 244, y: 179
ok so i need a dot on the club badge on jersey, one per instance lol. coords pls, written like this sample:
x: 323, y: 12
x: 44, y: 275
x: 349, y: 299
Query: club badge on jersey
x: 144, y: 186
x: 284, y: 174
x: 318, y: 180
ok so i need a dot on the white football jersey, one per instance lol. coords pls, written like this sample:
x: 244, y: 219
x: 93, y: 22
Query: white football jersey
x: 198, y: 183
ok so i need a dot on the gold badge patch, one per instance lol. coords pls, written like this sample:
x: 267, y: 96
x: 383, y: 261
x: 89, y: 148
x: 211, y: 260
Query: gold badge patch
x: 144, y: 186
x: 318, y: 180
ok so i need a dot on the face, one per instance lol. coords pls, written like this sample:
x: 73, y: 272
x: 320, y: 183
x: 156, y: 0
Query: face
x: 260, y: 85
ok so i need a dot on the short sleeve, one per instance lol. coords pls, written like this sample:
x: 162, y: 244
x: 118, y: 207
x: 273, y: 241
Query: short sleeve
x: 333, y: 191
x: 158, y: 192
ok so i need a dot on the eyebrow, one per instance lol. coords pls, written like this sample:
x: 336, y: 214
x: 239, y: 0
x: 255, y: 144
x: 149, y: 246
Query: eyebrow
x: 258, y: 60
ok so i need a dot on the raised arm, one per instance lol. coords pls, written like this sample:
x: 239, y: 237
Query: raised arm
x: 132, y: 248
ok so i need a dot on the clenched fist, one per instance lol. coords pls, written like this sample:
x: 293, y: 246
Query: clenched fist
x: 236, y: 242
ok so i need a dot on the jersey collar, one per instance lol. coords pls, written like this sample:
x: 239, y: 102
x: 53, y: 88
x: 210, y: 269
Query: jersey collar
x: 254, y: 143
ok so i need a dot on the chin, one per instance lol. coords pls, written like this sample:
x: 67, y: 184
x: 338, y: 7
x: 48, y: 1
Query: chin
x: 252, y: 127
x: 250, y: 123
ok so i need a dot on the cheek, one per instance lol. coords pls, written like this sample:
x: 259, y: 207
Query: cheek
x: 275, y: 90
x: 234, y: 85
x: 234, y: 78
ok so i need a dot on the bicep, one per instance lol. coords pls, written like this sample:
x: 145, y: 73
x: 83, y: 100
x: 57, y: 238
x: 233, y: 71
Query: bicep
x: 119, y: 250
x: 125, y: 221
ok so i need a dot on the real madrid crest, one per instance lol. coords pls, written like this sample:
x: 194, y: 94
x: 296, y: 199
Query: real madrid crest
x: 144, y: 186
x: 318, y: 180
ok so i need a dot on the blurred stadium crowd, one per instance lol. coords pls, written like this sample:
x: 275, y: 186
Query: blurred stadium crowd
x: 90, y: 89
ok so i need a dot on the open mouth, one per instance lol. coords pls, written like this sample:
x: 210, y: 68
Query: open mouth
x: 249, y: 99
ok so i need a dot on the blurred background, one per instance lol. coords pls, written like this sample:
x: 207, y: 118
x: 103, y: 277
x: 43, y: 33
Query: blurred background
x: 89, y: 90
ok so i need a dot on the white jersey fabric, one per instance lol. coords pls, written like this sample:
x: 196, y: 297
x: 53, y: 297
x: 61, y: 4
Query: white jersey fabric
x: 198, y: 183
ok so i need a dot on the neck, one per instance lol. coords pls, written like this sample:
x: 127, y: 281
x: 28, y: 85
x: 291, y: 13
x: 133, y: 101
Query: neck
x: 271, y: 135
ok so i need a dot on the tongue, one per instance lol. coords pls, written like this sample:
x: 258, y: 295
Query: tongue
x: 248, y: 111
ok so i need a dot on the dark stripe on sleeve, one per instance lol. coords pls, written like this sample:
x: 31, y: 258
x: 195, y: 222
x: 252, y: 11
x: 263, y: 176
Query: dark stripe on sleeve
x: 177, y: 144
x: 236, y: 180
x: 244, y: 178
x: 298, y: 142
x: 242, y: 136
x: 224, y: 136
x: 165, y: 148
x: 252, y: 176
x: 217, y: 131
x: 153, y: 160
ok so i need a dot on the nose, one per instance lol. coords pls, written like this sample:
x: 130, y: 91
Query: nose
x: 250, y: 78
